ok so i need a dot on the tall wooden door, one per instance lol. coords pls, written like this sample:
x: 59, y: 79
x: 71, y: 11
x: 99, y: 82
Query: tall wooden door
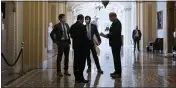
x: 171, y: 21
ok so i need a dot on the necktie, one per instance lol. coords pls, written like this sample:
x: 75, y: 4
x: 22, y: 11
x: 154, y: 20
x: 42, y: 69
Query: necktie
x: 65, y: 35
x: 88, y: 33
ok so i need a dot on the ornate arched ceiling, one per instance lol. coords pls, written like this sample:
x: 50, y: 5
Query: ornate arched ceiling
x: 88, y: 5
x: 88, y: 8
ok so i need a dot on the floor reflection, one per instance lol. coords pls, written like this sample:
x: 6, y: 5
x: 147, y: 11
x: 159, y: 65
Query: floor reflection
x: 96, y: 82
x: 138, y: 70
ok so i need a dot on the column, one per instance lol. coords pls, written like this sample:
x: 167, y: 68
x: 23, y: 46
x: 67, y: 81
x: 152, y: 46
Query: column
x: 123, y: 24
x: 33, y: 34
x: 127, y: 36
x: 146, y: 13
x: 74, y: 15
x: 9, y: 41
x: 133, y: 16
x: 69, y: 16
x: 61, y: 7
x: 33, y: 24
x: 133, y: 22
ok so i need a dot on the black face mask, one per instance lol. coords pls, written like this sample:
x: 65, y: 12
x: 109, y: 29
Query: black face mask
x: 87, y: 20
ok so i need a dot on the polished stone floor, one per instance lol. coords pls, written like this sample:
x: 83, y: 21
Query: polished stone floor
x: 138, y: 70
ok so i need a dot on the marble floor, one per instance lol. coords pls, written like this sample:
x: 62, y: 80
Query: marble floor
x: 139, y: 69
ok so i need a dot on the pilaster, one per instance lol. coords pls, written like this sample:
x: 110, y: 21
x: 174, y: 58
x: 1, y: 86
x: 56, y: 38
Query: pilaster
x: 34, y: 34
x: 146, y: 20
x: 127, y: 27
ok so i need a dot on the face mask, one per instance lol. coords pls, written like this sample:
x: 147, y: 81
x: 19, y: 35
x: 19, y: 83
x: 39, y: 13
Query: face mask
x: 50, y: 24
x: 63, y: 19
x: 87, y: 21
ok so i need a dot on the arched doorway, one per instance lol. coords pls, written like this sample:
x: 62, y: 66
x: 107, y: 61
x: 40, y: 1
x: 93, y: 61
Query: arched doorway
x: 126, y: 13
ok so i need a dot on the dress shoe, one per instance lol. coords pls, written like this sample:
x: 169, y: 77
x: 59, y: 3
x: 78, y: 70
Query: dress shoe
x: 88, y: 70
x: 112, y: 73
x: 77, y: 81
x: 59, y: 74
x: 84, y: 81
x: 100, y: 71
x: 67, y: 73
x: 116, y: 76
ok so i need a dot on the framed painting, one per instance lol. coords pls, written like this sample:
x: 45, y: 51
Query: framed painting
x: 160, y: 20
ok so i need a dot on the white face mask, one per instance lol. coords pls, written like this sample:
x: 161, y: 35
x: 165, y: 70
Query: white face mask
x: 50, y: 24
x: 87, y: 21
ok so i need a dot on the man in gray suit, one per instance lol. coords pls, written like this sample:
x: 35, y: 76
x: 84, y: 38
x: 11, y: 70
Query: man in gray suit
x: 91, y: 32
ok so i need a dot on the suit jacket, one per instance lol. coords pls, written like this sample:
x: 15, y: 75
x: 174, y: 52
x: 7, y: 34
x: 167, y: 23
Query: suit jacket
x: 94, y: 31
x: 134, y: 33
x: 57, y: 32
x: 115, y: 38
x: 79, y: 35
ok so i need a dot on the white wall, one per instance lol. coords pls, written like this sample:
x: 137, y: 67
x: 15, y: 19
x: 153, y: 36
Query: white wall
x: 161, y: 6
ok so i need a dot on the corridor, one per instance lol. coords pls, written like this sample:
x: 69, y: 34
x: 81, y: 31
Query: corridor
x: 139, y: 70
x: 27, y: 26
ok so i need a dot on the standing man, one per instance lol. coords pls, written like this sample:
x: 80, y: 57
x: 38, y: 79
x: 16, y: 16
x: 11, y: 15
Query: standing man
x: 115, y: 41
x: 60, y: 36
x: 80, y: 47
x: 92, y: 32
x: 136, y: 37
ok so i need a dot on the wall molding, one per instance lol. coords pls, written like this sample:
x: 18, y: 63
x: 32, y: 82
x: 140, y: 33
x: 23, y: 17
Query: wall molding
x: 128, y: 9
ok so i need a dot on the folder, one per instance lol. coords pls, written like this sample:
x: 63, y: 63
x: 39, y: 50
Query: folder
x: 95, y: 40
x: 103, y: 35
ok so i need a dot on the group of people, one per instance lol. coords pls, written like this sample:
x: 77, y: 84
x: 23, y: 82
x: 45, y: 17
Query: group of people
x: 83, y: 41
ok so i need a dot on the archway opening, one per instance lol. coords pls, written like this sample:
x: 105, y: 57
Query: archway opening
x: 126, y: 13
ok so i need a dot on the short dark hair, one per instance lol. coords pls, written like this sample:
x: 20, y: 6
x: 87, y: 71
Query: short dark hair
x: 88, y: 17
x: 113, y: 14
x: 61, y: 16
x: 80, y: 17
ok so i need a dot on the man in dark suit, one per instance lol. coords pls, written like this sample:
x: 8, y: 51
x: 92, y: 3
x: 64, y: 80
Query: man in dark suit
x: 60, y: 36
x: 136, y: 37
x: 91, y: 33
x: 80, y: 47
x: 115, y: 41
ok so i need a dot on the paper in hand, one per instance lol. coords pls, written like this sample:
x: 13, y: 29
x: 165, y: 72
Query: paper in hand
x: 103, y: 35
x: 95, y: 40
